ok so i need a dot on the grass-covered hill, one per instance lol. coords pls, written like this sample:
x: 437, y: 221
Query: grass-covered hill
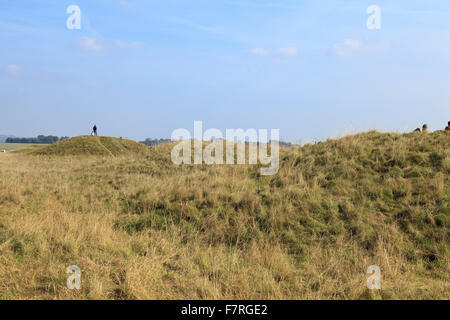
x: 140, y: 227
x: 92, y: 146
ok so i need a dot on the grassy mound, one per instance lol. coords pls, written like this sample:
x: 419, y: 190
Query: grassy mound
x: 89, y: 145
x: 144, y: 228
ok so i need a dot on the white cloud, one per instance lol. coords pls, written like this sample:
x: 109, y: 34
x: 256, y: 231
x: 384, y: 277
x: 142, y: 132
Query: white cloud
x: 94, y: 44
x: 380, y: 46
x: 349, y: 47
x: 134, y: 44
x: 289, y: 51
x: 90, y: 44
x: 13, y: 69
x: 259, y: 52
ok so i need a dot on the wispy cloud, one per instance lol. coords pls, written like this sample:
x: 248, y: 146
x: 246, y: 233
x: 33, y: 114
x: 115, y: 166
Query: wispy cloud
x: 347, y: 48
x: 133, y: 44
x: 95, y: 44
x: 289, y: 51
x: 259, y: 52
x: 89, y: 44
x: 13, y: 69
x: 350, y: 47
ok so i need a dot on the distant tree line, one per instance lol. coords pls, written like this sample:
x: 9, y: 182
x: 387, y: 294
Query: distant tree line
x: 39, y: 140
x: 154, y: 142
x: 284, y: 144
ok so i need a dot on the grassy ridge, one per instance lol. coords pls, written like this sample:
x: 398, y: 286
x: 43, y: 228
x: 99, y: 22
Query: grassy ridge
x: 92, y: 146
x: 141, y: 227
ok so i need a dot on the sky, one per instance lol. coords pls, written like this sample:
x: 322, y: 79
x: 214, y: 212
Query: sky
x: 143, y: 68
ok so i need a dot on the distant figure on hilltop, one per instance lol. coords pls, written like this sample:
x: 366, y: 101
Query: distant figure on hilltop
x: 94, y: 130
x: 425, y: 128
x: 447, y: 128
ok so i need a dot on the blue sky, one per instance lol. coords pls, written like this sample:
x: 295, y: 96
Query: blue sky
x: 145, y: 68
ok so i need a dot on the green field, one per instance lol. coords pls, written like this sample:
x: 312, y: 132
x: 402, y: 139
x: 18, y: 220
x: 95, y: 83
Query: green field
x: 14, y: 146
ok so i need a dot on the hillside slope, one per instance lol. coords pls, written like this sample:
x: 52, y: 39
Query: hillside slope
x: 144, y: 228
x: 91, y: 145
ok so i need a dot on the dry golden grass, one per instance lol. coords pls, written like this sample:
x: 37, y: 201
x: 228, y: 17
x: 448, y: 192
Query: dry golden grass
x: 90, y: 146
x: 140, y: 227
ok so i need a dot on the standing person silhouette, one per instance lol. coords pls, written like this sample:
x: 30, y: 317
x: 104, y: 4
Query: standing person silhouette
x: 447, y: 128
x: 94, y: 130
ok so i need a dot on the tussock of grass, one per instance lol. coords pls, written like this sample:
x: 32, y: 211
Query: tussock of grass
x: 140, y: 227
x: 92, y: 146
